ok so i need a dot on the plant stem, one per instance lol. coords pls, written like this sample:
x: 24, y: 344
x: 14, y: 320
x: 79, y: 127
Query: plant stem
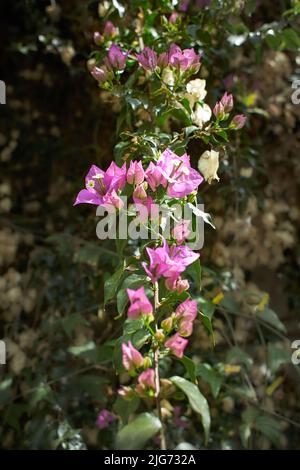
x: 163, y: 445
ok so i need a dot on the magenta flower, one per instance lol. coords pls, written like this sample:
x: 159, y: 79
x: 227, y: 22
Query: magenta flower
x: 176, y: 174
x: 184, y: 4
x: 177, y: 284
x: 154, y: 176
x: 185, y: 314
x: 131, y: 358
x: 227, y: 102
x: 218, y: 110
x: 183, y: 59
x: 102, y: 186
x: 135, y: 173
x: 168, y: 262
x: 224, y: 106
x: 187, y: 310
x: 181, y: 231
x: 116, y: 57
x: 173, y: 17
x: 140, y: 305
x: 177, y: 345
x: 181, y: 178
x: 238, y: 121
x: 163, y: 60
x: 105, y: 418
x: 146, y: 381
x: 147, y: 58
x: 100, y: 74
x: 110, y: 30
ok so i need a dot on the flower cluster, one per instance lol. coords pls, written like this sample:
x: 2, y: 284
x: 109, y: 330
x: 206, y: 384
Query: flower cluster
x: 174, y: 173
x: 159, y: 304
x: 172, y: 337
x: 175, y: 62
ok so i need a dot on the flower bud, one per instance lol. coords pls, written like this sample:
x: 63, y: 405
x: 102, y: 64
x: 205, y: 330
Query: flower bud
x: 147, y: 362
x: 208, y: 165
x: 139, y: 193
x: 238, y: 121
x: 135, y: 173
x: 167, y: 324
x: 227, y: 102
x: 146, y: 383
x: 159, y: 335
x: 117, y: 58
x: 100, y: 74
x: 173, y: 17
x: 126, y: 392
x: 110, y: 31
x: 177, y: 285
x: 185, y: 328
x: 219, y: 110
x: 98, y: 38
x: 131, y: 358
x: 147, y: 58
x: 167, y: 388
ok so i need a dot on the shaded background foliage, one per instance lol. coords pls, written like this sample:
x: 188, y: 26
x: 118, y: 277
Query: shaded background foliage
x: 59, y: 337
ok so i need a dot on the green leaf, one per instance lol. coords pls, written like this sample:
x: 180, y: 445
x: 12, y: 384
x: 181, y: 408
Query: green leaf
x: 269, y: 316
x: 131, y: 326
x: 13, y: 414
x: 190, y: 367
x: 207, y: 309
x: 111, y: 284
x: 124, y: 408
x: 194, y: 270
x: 211, y: 376
x: 277, y: 357
x: 245, y: 433
x: 197, y: 401
x: 95, y: 354
x: 42, y: 392
x: 270, y: 428
x: 5, y: 390
x: 134, y: 435
x: 80, y: 350
x: 291, y: 39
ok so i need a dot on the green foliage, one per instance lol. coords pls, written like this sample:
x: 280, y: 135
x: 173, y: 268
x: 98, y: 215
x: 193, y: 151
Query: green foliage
x: 135, y: 434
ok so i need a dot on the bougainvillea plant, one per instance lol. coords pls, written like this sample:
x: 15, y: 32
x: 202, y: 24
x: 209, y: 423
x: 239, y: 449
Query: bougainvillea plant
x: 163, y: 109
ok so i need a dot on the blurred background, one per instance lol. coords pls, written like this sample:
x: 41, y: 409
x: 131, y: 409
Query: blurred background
x: 59, y: 338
